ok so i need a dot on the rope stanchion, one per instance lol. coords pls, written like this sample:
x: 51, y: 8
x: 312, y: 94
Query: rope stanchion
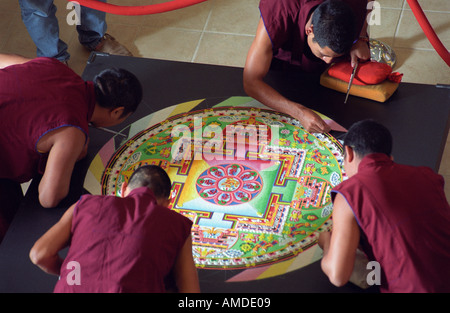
x: 137, y: 10
x: 428, y: 30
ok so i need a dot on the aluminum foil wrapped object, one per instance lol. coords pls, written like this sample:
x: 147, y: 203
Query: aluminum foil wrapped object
x: 381, y: 52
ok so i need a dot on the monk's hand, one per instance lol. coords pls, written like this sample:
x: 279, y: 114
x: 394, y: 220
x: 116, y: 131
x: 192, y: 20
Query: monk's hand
x: 360, y: 52
x: 312, y: 122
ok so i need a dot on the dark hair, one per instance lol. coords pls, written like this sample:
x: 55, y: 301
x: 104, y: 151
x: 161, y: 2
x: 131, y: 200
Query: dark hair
x: 368, y: 136
x: 152, y: 177
x: 334, y: 26
x: 118, y: 88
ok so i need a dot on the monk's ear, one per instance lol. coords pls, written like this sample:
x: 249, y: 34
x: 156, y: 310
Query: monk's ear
x: 349, y: 154
x: 309, y: 29
x: 117, y: 112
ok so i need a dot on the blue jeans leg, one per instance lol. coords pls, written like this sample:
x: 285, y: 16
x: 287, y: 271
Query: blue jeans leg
x: 42, y: 25
x: 92, y: 28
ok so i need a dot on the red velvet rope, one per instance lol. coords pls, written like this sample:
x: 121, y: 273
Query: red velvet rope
x: 429, y: 32
x: 137, y: 10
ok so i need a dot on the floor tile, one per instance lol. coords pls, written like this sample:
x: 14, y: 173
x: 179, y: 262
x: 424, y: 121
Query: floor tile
x: 223, y: 49
x: 234, y: 17
x: 385, y: 30
x: 420, y: 66
x: 6, y: 21
x: 192, y: 18
x: 167, y: 43
x: 398, y: 4
x: 19, y: 41
x: 411, y: 35
x: 9, y: 6
x: 126, y: 19
x: 433, y: 5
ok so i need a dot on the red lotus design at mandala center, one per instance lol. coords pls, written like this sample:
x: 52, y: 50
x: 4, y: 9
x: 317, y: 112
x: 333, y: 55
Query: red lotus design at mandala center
x: 229, y: 184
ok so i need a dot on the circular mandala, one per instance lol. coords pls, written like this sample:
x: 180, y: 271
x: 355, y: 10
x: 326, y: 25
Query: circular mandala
x: 255, y: 184
x: 229, y: 184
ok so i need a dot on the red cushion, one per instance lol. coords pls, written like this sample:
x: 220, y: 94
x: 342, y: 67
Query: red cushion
x: 368, y: 73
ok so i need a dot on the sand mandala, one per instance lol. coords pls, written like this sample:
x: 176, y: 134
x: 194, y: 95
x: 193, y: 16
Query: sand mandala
x: 255, y: 184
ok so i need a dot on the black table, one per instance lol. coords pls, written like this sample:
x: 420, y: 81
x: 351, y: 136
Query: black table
x: 417, y: 115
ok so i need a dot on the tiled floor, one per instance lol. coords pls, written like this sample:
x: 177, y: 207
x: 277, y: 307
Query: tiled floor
x: 221, y: 31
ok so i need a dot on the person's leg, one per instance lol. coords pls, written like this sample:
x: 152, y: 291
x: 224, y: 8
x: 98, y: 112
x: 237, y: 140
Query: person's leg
x: 42, y: 25
x: 92, y: 27
x: 10, y: 197
x: 92, y: 33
